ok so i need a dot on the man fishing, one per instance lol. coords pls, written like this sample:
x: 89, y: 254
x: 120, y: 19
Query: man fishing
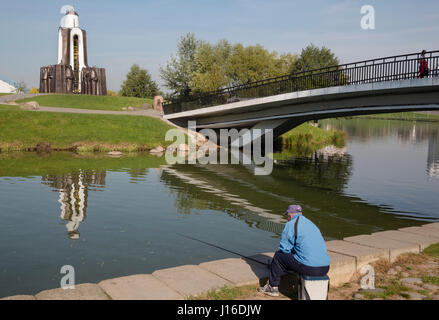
x: 302, y: 249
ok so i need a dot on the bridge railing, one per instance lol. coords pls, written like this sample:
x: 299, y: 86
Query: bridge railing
x: 369, y: 71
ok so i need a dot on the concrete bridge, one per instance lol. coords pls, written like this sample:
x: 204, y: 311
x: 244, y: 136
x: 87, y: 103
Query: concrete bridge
x: 382, y: 85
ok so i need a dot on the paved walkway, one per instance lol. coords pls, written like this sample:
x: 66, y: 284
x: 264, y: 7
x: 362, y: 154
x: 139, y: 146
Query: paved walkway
x: 13, y: 97
x: 347, y: 258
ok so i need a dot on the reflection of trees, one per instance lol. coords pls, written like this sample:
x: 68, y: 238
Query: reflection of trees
x: 320, y: 171
x: 364, y: 129
x: 257, y: 200
x: 316, y: 183
x: 73, y: 195
x: 137, y: 174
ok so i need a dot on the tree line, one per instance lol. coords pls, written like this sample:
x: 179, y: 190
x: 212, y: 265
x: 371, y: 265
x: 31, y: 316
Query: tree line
x: 200, y: 67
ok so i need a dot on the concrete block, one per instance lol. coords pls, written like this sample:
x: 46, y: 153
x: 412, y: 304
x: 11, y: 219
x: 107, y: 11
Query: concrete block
x: 428, y: 232
x: 86, y: 291
x: 190, y: 280
x: 138, y: 287
x: 363, y: 255
x: 432, y: 225
x: 393, y: 247
x: 19, y: 297
x: 342, y: 269
x: 420, y: 240
x: 265, y: 257
x: 238, y: 271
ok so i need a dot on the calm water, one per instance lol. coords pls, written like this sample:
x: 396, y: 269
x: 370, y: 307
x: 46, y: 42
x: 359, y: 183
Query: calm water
x: 110, y: 217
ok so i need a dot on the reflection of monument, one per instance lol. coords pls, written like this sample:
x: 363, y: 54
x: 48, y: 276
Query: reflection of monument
x: 72, y: 73
x: 73, y: 195
x: 433, y: 155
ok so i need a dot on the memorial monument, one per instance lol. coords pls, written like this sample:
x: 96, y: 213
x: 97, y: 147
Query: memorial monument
x: 72, y: 73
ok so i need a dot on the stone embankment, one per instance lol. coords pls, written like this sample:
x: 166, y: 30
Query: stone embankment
x: 348, y: 256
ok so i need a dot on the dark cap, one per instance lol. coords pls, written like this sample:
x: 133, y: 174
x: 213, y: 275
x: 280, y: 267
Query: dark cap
x: 294, y: 208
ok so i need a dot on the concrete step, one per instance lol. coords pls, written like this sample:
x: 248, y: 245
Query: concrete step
x: 138, y: 287
x: 393, y: 247
x: 190, y: 280
x: 421, y: 240
x: 363, y: 254
x: 237, y: 271
x: 86, y: 291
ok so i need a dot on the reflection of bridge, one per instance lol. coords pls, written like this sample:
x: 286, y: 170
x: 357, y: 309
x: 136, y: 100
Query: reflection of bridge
x: 374, y: 86
x: 317, y: 184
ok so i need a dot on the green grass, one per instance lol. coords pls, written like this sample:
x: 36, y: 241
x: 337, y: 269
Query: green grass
x: 114, y: 103
x: 23, y: 130
x: 432, y: 250
x: 408, y: 116
x: 227, y: 293
x: 431, y: 279
x: 392, y: 288
x: 305, y: 139
x: 5, y: 94
x: 308, y: 134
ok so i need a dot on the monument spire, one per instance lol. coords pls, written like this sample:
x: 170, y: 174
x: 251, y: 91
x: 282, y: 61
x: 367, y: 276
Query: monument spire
x: 73, y: 75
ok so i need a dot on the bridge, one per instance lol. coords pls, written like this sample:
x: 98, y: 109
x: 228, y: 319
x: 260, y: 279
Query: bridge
x: 382, y: 85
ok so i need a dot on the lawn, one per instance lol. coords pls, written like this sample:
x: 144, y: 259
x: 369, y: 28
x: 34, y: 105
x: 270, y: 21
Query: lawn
x: 114, y: 103
x: 22, y: 130
x: 5, y: 94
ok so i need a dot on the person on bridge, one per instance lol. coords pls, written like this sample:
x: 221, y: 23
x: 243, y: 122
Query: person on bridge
x: 302, y: 250
x: 423, y: 65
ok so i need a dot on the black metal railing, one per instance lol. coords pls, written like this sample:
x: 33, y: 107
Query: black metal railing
x: 369, y: 71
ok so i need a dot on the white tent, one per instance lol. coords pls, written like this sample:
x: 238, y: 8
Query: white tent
x: 6, y: 87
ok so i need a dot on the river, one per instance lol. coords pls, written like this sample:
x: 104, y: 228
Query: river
x: 110, y: 217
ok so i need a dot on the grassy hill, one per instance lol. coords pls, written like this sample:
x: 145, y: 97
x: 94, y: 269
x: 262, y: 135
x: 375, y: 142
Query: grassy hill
x: 114, y: 103
x: 23, y: 130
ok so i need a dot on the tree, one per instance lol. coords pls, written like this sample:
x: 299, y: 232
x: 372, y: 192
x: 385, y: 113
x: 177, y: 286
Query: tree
x: 222, y: 65
x: 312, y: 58
x: 139, y: 84
x: 254, y: 63
x: 211, y: 67
x: 20, y: 87
x: 178, y: 72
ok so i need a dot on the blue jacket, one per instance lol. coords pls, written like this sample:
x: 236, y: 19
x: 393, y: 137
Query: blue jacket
x: 310, y: 248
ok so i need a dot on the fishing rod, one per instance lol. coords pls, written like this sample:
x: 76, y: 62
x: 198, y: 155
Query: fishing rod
x: 227, y: 250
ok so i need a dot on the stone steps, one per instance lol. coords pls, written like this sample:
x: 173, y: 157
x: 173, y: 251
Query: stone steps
x: 347, y: 257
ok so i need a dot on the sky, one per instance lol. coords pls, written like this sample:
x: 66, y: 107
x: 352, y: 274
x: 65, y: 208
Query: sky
x: 121, y: 33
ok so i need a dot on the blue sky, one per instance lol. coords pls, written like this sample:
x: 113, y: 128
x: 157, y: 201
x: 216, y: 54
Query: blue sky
x: 120, y: 33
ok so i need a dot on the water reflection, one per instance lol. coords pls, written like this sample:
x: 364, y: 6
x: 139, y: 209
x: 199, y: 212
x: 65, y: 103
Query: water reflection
x: 433, y: 155
x: 73, y: 196
x: 317, y: 183
x: 407, y: 132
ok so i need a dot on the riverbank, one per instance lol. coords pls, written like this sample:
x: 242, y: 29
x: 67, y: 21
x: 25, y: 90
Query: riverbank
x: 404, y: 116
x: 26, y: 130
x: 236, y: 278
x: 305, y: 139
